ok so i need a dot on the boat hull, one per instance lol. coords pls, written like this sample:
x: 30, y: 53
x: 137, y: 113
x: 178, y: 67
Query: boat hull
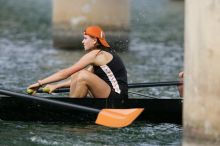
x: 155, y: 110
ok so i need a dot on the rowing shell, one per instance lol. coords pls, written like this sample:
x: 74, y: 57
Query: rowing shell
x: 18, y: 109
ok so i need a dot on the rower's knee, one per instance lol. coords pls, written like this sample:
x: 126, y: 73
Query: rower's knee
x: 74, y: 76
x: 82, y: 76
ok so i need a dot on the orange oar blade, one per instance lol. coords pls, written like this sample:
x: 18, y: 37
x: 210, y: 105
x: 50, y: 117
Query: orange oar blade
x: 117, y: 118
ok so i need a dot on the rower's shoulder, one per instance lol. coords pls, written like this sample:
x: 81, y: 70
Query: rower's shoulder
x: 91, y: 54
x: 95, y: 51
x: 99, y: 53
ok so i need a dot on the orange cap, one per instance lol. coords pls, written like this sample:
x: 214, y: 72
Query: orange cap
x: 97, y: 32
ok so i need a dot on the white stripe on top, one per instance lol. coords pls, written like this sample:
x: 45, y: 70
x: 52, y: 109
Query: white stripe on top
x: 111, y: 78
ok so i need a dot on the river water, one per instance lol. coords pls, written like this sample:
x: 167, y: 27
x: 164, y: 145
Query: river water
x: 155, y: 53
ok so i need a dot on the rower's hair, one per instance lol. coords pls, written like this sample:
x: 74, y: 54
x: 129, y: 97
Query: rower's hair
x: 100, y: 46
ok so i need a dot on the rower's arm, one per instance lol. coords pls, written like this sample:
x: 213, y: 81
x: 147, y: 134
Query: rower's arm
x: 66, y: 84
x: 85, y: 61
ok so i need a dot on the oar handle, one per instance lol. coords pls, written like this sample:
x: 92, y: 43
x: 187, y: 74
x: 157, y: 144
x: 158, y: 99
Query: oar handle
x: 50, y: 101
x: 60, y: 90
x: 131, y: 85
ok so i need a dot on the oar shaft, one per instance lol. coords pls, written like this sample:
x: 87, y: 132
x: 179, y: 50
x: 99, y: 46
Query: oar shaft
x: 154, y: 84
x: 50, y: 101
x: 135, y: 93
x: 132, y: 85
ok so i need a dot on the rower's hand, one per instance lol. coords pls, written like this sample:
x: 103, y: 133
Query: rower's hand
x: 180, y: 87
x: 181, y: 75
x: 49, y: 88
x: 32, y: 89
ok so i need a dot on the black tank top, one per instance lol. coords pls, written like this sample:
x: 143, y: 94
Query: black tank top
x: 114, y: 74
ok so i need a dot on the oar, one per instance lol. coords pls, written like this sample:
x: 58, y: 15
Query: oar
x: 135, y: 93
x: 154, y: 84
x: 131, y: 85
x: 115, y: 118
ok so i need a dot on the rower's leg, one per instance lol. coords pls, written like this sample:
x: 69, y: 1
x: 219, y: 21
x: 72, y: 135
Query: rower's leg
x: 86, y: 81
x: 78, y: 87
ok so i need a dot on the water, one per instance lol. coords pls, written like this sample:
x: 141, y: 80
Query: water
x: 89, y: 134
x: 26, y: 55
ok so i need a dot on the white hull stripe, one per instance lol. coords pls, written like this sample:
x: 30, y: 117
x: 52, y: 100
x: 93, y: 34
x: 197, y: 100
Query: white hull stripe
x: 111, y: 78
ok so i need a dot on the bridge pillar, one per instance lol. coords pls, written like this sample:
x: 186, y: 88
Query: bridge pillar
x: 71, y: 17
x: 202, y: 73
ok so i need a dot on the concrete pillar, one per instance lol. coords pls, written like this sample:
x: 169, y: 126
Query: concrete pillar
x: 71, y: 17
x: 202, y: 73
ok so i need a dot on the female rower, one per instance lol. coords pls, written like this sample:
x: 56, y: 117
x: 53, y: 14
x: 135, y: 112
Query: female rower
x: 99, y: 72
